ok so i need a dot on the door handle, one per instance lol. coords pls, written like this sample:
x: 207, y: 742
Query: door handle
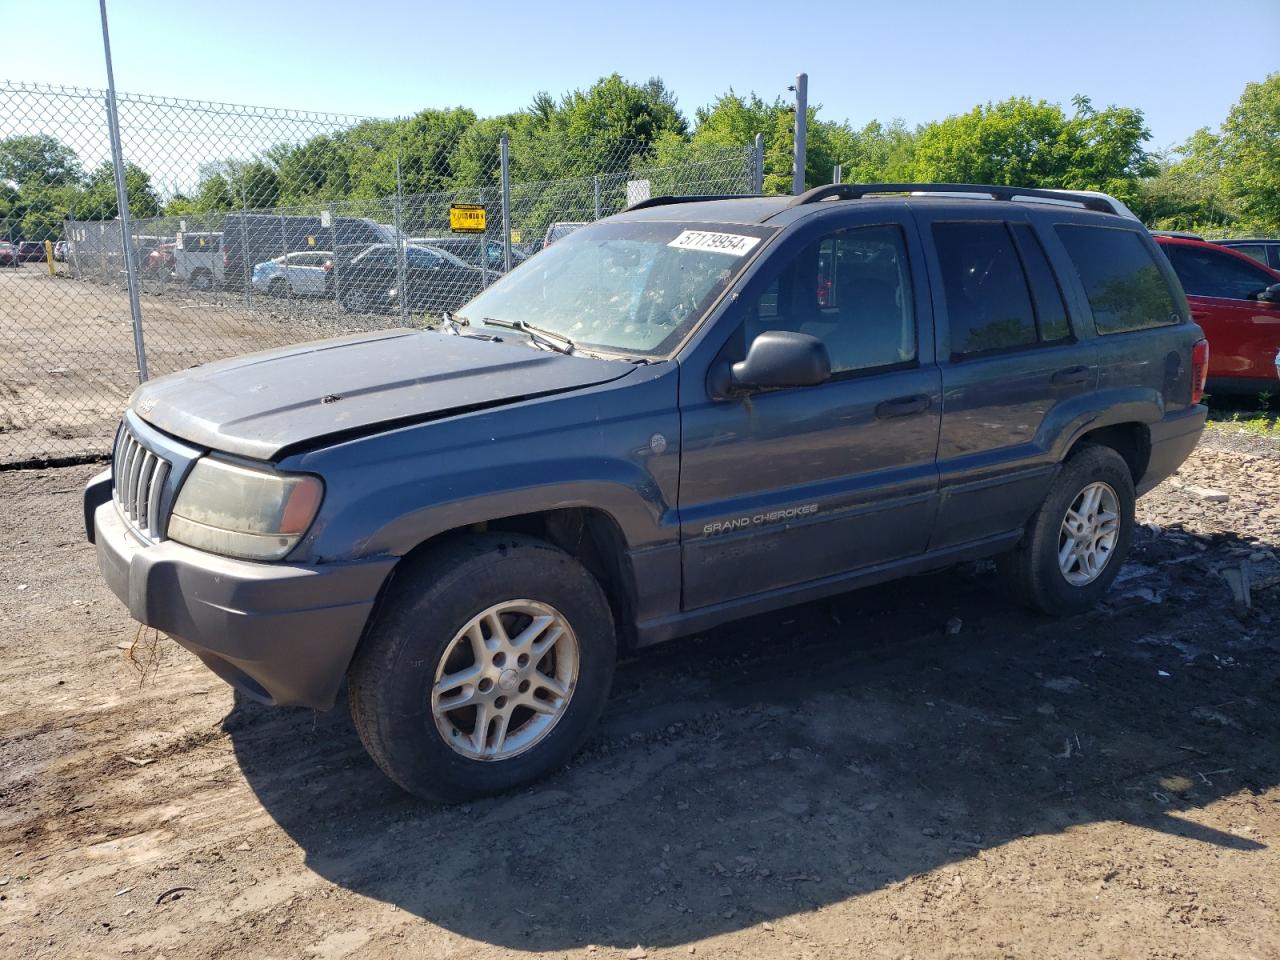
x: 902, y: 407
x: 1071, y: 375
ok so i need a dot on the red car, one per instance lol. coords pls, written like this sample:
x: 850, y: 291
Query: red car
x: 1236, y: 301
x: 8, y: 254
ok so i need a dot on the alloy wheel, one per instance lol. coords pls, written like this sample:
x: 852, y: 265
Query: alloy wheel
x: 505, y: 680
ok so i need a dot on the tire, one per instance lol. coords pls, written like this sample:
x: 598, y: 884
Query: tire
x: 1033, y: 570
x: 202, y: 280
x: 278, y: 288
x: 419, y: 633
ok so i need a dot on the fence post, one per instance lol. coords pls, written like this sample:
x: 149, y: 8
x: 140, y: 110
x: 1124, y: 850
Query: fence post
x: 122, y: 201
x: 837, y: 175
x: 334, y: 257
x: 757, y: 172
x: 484, y: 245
x: 401, y: 273
x: 504, y: 166
x: 596, y: 190
x: 802, y: 126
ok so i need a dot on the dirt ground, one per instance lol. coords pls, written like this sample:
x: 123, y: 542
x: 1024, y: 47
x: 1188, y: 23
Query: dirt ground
x: 853, y: 778
x: 67, y: 361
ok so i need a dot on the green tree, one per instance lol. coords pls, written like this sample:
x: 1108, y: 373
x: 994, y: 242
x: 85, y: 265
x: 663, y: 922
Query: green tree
x: 98, y: 200
x: 40, y: 158
x: 1250, y: 149
x: 1033, y: 143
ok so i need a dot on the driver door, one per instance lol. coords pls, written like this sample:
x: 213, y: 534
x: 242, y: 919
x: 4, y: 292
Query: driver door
x: 789, y: 487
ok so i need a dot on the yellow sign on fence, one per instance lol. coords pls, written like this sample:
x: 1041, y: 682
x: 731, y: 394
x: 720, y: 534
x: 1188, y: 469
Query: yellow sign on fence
x: 466, y: 218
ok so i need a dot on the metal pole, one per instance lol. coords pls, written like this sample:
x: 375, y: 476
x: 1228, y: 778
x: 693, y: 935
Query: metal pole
x: 504, y: 166
x: 244, y: 243
x: 838, y: 173
x: 802, y: 126
x: 334, y: 258
x: 401, y: 272
x: 122, y: 201
x: 484, y: 247
x: 757, y: 174
x: 596, y: 188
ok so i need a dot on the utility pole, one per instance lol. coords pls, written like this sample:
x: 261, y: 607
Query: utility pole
x: 801, y: 89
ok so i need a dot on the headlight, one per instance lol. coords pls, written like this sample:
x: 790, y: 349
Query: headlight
x: 242, y: 512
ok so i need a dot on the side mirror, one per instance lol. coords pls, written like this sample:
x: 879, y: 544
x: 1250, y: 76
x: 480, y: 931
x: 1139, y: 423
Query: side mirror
x: 781, y: 358
x: 1271, y: 294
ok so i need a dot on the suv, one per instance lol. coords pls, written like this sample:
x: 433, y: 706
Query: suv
x: 1266, y: 252
x: 197, y: 259
x: 1237, y: 302
x: 692, y: 412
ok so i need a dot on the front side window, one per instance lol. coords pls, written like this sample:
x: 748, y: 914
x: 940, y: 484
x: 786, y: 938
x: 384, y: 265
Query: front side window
x: 988, y: 303
x: 631, y: 287
x: 1209, y: 273
x: 851, y: 290
x: 1125, y: 287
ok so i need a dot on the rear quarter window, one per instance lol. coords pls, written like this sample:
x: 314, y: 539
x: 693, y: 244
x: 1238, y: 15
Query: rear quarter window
x: 1124, y: 284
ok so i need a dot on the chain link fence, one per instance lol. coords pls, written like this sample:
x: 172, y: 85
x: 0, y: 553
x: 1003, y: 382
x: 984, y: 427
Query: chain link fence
x: 255, y: 228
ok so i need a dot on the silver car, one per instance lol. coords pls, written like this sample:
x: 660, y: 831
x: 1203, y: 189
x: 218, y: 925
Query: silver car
x: 305, y: 274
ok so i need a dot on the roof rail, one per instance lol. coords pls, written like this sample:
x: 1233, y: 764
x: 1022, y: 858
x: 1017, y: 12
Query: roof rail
x: 664, y: 201
x: 856, y: 191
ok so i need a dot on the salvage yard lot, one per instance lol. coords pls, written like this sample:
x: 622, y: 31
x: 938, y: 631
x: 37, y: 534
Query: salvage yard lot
x: 67, y: 362
x: 854, y: 778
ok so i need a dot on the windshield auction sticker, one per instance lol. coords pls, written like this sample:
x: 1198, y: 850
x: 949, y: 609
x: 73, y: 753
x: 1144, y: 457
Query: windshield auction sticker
x: 734, y: 244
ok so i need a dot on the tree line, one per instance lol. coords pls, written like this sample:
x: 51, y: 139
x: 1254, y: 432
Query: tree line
x: 1219, y: 181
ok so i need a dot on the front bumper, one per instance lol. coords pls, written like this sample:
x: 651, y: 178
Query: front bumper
x: 279, y: 633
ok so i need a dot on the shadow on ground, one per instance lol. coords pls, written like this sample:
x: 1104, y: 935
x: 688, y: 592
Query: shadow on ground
x: 803, y: 758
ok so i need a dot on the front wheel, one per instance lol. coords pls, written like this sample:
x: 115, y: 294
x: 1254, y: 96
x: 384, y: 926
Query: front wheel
x: 486, y: 668
x: 1076, y: 542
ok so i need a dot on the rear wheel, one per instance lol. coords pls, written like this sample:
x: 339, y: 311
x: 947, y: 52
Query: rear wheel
x: 202, y: 280
x: 1078, y: 539
x: 278, y: 287
x: 486, y: 668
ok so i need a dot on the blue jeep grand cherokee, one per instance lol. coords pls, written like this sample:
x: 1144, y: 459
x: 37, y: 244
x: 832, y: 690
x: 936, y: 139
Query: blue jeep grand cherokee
x: 697, y: 410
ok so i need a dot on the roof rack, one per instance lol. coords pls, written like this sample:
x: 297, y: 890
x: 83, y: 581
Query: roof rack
x: 664, y: 201
x: 856, y: 191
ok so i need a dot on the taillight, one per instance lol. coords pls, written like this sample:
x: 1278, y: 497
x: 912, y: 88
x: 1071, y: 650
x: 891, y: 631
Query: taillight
x: 1199, y: 369
x: 226, y: 260
x: 328, y: 266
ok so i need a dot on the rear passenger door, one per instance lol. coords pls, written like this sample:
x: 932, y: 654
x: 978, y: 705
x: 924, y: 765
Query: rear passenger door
x: 1010, y: 360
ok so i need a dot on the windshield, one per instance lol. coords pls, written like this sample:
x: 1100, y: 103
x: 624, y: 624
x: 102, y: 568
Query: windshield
x: 635, y: 288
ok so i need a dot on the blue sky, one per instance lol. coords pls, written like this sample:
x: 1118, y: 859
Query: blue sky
x: 1183, y: 63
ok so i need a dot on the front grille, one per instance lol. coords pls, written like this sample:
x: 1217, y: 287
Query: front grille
x: 138, y: 478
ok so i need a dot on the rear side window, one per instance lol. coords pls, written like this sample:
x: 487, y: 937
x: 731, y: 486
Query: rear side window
x: 1211, y: 273
x: 1051, y: 310
x: 988, y: 302
x: 1125, y: 287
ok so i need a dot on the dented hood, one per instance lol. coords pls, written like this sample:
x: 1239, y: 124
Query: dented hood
x: 264, y: 404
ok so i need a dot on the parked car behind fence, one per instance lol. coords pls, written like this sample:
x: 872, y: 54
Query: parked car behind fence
x: 306, y: 274
x: 1236, y: 301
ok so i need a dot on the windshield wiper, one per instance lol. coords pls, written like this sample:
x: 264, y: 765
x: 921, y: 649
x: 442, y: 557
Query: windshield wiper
x: 451, y: 323
x: 547, y: 338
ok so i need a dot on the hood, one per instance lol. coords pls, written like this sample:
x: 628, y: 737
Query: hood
x: 265, y: 403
